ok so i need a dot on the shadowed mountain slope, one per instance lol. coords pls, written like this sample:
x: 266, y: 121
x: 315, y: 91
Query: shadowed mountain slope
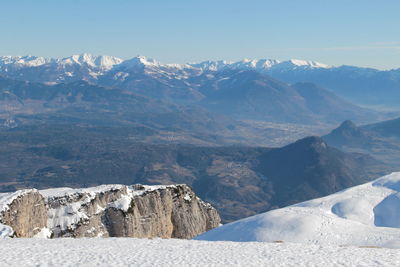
x: 382, y: 140
x: 239, y: 181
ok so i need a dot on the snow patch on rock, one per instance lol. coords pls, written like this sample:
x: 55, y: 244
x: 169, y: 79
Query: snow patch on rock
x: 7, y: 198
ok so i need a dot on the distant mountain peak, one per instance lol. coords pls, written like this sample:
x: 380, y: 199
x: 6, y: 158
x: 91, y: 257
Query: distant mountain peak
x: 213, y: 65
x: 348, y: 124
x: 348, y: 128
x: 104, y: 62
x: 140, y: 61
x: 347, y: 132
x: 308, y: 63
x: 24, y: 61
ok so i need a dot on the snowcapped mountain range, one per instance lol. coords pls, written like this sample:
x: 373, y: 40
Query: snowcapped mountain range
x: 258, y: 64
x: 89, y: 67
x: 107, y: 62
x: 103, y: 62
x: 49, y: 70
x: 244, y: 89
x: 363, y: 86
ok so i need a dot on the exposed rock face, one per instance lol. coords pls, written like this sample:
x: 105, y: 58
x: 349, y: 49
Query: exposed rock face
x: 25, y: 213
x: 171, y: 212
x: 113, y: 211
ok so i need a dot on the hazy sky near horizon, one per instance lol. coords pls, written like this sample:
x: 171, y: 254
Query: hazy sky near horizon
x: 336, y: 32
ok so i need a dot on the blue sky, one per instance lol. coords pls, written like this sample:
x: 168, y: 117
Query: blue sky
x: 353, y: 32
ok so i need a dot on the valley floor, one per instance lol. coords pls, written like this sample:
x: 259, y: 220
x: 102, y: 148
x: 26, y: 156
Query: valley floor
x: 173, y: 252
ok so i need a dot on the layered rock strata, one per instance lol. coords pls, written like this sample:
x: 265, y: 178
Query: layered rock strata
x: 107, y: 211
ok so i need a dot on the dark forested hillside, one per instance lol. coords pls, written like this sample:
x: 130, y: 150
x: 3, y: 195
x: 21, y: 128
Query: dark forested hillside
x: 239, y: 181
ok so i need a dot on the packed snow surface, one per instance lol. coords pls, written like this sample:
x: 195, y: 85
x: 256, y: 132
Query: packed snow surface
x: 364, y: 215
x: 173, y: 252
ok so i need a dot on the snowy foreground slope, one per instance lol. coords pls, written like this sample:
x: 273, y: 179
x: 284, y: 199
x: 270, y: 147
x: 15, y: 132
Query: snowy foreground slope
x: 173, y: 252
x: 365, y: 215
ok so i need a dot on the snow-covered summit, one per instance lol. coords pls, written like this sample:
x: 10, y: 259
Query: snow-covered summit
x: 364, y: 215
x: 103, y: 62
x: 139, y: 61
x: 313, y: 64
x: 24, y: 61
x: 149, y: 63
x: 211, y: 65
x: 296, y: 63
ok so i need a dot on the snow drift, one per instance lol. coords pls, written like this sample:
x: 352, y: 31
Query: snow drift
x: 364, y: 215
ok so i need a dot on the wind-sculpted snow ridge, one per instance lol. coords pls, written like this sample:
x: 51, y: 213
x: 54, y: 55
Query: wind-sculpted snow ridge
x: 105, y: 211
x: 364, y: 215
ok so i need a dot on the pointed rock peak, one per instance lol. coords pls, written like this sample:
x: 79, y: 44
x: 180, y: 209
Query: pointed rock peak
x: 348, y: 130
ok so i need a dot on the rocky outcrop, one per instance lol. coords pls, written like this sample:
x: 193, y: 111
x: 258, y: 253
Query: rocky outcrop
x: 112, y: 211
x: 24, y: 212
